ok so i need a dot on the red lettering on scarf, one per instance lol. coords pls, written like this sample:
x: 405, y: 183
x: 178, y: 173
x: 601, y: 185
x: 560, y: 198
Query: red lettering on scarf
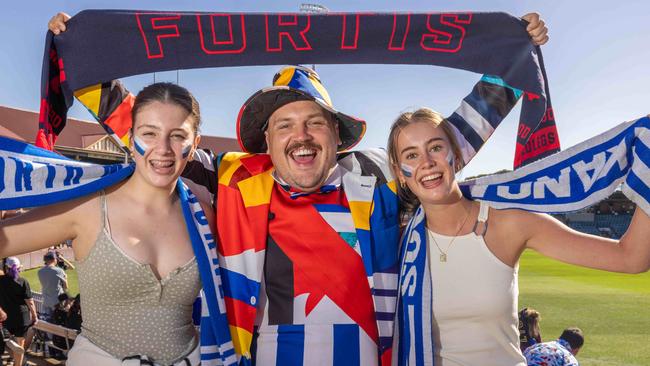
x: 350, y: 33
x: 222, y: 37
x: 401, y: 26
x: 154, y: 27
x: 288, y: 26
x: 523, y: 131
x: 447, y: 32
x: 543, y: 140
x: 549, y: 116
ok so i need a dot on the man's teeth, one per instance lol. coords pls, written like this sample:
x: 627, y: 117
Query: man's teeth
x: 304, y: 152
x: 430, y: 177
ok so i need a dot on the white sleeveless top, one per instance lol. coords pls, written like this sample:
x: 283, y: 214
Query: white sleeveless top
x: 474, y: 303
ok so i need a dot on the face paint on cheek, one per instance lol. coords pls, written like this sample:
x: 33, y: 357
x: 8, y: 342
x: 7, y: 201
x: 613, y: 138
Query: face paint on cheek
x: 139, y: 145
x: 406, y: 170
x: 450, y: 160
x: 450, y: 157
x: 186, y: 150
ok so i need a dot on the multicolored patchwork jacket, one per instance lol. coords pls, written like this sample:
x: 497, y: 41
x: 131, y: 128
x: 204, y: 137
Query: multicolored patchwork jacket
x: 243, y: 199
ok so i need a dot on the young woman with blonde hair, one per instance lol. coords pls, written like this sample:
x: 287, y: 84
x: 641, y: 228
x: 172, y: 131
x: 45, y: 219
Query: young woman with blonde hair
x: 471, y: 253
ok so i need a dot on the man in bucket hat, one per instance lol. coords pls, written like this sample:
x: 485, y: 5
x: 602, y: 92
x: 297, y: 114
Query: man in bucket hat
x: 325, y: 262
x: 297, y: 106
x: 307, y: 231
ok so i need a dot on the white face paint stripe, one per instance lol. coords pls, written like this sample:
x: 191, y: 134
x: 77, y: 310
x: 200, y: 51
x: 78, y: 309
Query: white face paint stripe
x: 186, y: 150
x: 450, y: 157
x: 139, y: 145
x: 407, y: 170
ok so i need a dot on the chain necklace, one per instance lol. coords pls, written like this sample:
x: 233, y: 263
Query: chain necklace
x: 443, y: 254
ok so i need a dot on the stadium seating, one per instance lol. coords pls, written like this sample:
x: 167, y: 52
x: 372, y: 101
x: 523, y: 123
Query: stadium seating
x: 603, y: 225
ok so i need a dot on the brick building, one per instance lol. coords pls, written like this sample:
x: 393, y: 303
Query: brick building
x: 84, y: 140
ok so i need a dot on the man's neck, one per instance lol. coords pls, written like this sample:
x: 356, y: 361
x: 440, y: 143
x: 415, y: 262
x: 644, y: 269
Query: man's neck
x: 334, y: 177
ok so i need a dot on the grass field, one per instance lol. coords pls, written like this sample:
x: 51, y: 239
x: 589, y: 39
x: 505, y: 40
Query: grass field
x: 613, y: 310
x: 32, y: 276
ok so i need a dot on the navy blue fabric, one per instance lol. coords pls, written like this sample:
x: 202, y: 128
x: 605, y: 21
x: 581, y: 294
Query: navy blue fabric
x: 102, y: 45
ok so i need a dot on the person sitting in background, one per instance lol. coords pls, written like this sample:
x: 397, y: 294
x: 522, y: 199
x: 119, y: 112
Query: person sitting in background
x: 16, y: 300
x: 74, y: 314
x: 561, y: 352
x: 61, y: 310
x: 529, y: 332
x: 60, y: 317
x: 54, y: 282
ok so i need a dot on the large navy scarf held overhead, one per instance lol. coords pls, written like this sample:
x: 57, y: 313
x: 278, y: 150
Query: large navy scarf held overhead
x: 102, y: 45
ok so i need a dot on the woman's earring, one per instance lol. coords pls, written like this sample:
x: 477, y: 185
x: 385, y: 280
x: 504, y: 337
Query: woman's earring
x: 402, y: 184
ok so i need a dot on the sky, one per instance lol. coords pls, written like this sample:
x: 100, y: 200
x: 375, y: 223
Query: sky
x: 597, y: 62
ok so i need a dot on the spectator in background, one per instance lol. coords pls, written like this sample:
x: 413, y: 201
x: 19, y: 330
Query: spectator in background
x: 16, y: 301
x: 61, y: 262
x: 561, y: 352
x: 529, y: 332
x: 60, y: 317
x: 61, y: 310
x: 74, y: 314
x: 3, y: 317
x: 54, y: 282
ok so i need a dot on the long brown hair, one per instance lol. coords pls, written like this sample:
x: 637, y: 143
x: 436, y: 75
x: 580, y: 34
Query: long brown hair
x: 408, y: 201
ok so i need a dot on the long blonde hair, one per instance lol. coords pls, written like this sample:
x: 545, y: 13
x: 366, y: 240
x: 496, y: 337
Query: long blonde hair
x: 408, y: 201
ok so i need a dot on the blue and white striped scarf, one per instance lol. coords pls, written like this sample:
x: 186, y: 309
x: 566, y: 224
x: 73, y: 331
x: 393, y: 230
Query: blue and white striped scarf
x: 567, y: 181
x: 32, y: 177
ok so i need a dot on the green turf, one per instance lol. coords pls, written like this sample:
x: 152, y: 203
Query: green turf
x: 610, y: 308
x: 32, y: 276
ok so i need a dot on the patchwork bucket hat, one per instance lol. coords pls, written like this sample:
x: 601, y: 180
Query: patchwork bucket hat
x: 291, y: 84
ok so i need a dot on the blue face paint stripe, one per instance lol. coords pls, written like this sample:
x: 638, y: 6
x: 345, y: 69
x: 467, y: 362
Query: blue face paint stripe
x: 139, y: 145
x: 450, y: 158
x: 186, y: 151
x: 406, y: 170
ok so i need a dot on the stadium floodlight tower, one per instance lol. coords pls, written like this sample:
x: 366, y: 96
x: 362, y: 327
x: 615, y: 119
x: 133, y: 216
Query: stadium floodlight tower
x: 313, y: 9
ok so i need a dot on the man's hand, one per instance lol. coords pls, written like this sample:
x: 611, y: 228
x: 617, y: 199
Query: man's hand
x: 3, y: 315
x: 57, y: 23
x: 536, y: 28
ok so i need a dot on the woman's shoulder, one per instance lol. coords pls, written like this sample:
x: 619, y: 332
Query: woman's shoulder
x: 85, y: 207
x: 512, y: 222
x: 511, y: 215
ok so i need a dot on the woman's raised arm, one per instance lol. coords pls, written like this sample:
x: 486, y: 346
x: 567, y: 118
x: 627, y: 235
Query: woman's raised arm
x: 630, y: 254
x: 43, y: 227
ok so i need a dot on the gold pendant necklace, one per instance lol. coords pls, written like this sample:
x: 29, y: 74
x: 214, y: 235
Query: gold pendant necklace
x: 443, y: 254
